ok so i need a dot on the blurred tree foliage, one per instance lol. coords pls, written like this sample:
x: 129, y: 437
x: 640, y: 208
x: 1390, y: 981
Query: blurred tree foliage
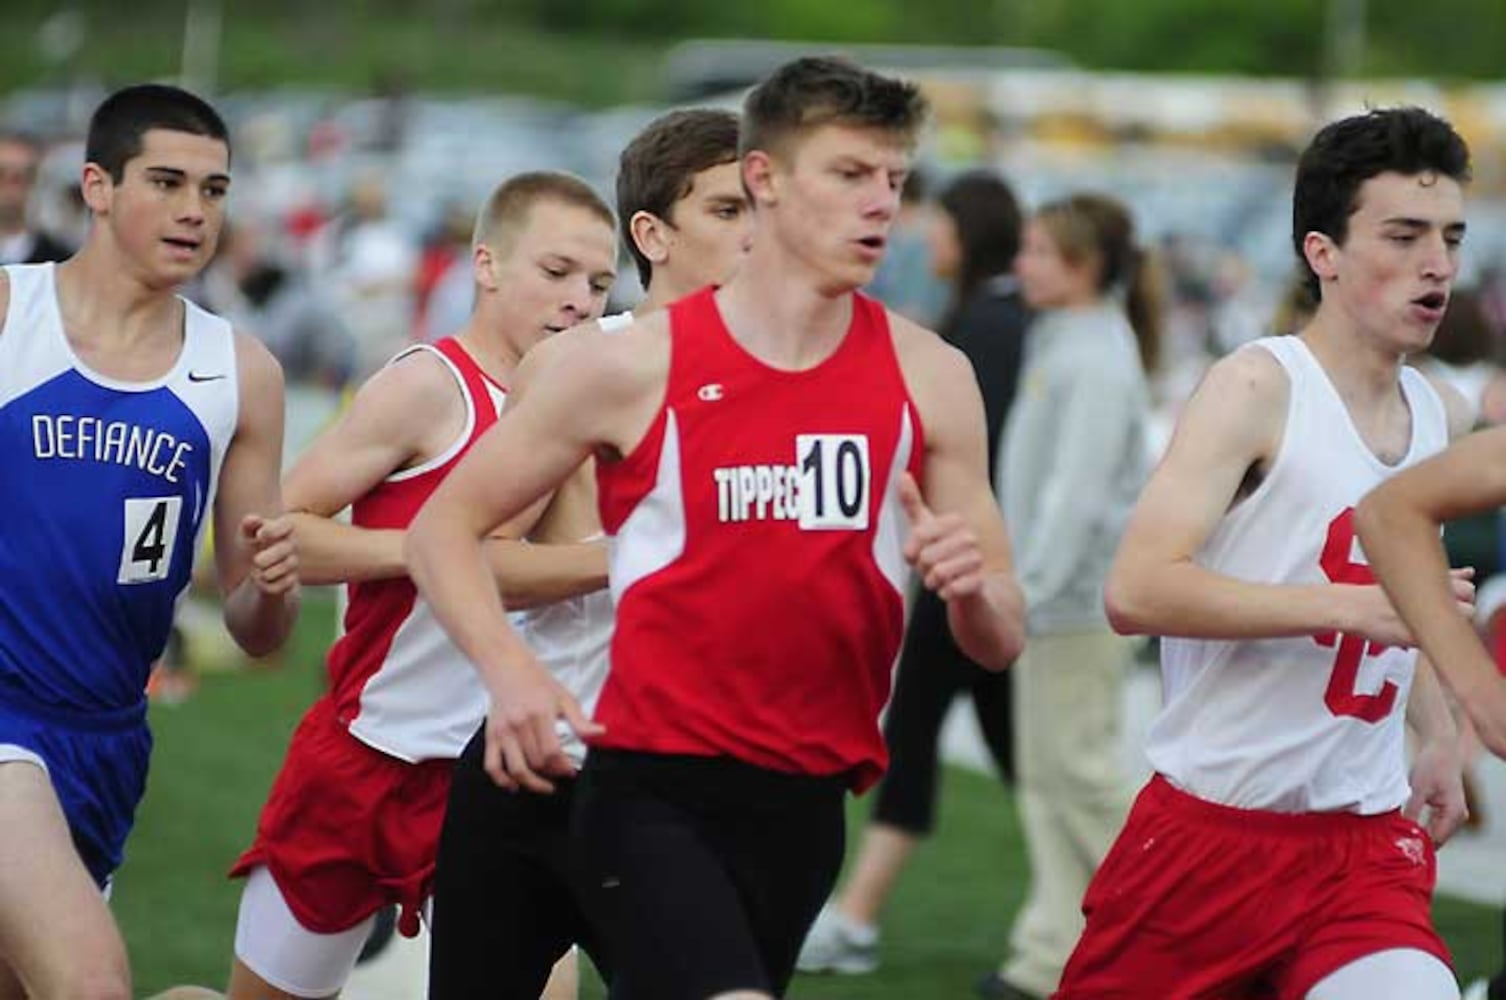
x: 1285, y: 37
x: 606, y: 51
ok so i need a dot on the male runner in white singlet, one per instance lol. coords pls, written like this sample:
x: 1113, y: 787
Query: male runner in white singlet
x: 1275, y: 852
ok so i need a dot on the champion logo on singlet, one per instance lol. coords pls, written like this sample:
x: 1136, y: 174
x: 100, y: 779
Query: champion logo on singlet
x: 711, y: 392
x: 826, y: 489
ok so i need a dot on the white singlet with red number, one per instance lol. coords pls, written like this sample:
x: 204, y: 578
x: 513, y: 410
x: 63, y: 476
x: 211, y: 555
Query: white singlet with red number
x: 1311, y: 723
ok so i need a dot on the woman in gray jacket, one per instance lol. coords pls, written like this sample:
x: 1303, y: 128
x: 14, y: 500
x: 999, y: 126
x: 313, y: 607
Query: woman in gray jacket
x: 1074, y: 457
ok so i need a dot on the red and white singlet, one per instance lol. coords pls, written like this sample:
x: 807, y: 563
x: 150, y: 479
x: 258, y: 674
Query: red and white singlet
x: 397, y: 681
x: 756, y: 552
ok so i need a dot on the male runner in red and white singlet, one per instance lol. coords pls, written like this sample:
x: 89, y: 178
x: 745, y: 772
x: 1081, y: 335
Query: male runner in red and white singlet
x: 505, y: 906
x: 353, y: 821
x: 759, y: 448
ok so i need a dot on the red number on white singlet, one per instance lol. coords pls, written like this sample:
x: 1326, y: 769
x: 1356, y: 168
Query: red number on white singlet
x: 1341, y: 697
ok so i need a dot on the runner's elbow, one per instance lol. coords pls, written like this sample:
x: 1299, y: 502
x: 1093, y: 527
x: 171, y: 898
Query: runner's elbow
x: 1125, y: 604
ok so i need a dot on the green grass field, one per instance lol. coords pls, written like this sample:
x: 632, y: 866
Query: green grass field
x: 216, y: 756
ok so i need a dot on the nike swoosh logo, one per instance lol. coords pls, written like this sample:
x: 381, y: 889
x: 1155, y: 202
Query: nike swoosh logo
x: 200, y: 377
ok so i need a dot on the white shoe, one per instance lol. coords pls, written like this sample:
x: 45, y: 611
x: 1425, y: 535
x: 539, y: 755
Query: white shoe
x: 836, y: 944
x: 1477, y: 990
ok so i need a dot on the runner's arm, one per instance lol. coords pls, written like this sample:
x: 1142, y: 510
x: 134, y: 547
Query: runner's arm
x: 1231, y: 427
x: 254, y: 554
x: 1398, y: 525
x: 374, y: 438
x: 958, y: 542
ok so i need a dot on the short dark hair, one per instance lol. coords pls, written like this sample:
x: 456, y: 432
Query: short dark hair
x: 123, y: 118
x: 824, y: 90
x: 1348, y: 152
x: 659, y: 166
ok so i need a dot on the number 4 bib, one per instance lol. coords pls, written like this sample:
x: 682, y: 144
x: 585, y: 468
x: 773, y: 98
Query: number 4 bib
x: 151, y: 532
